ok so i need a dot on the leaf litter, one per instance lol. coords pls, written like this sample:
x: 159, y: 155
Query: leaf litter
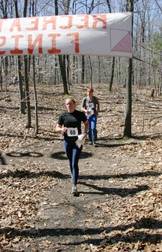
x: 120, y: 208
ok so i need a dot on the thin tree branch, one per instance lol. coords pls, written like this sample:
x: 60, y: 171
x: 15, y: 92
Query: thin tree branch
x: 158, y: 5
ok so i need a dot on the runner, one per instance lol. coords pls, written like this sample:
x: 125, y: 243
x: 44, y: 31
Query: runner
x: 69, y: 124
x: 90, y: 106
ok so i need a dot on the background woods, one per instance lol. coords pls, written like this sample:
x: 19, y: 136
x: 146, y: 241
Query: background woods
x: 120, y: 203
x: 144, y: 70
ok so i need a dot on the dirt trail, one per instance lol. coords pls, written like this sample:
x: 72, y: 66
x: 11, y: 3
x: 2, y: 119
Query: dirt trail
x: 119, y: 206
x: 108, y: 182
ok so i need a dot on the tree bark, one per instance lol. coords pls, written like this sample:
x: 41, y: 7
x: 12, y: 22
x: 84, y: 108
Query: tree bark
x: 33, y: 12
x: 128, y: 118
x: 35, y: 98
x: 113, y: 60
x: 62, y: 61
x: 21, y: 83
x: 26, y: 74
x: 83, y: 70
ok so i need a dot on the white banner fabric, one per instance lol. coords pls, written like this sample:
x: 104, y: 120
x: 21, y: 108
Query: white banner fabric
x: 98, y: 34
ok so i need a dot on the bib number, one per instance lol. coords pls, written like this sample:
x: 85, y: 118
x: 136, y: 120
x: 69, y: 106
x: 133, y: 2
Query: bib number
x: 72, y: 132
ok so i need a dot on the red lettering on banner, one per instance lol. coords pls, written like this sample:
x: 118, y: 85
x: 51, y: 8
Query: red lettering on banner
x: 16, y: 25
x: 75, y: 36
x: 97, y: 19
x: 2, y: 43
x: 49, y: 20
x: 54, y: 50
x: 17, y: 39
x: 85, y: 20
x: 34, y: 23
x: 69, y: 22
x: 37, y: 42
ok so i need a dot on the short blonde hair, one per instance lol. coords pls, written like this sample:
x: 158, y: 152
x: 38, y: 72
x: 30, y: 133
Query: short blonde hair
x: 70, y: 99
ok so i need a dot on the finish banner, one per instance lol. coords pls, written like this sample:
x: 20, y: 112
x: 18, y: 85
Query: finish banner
x: 98, y: 34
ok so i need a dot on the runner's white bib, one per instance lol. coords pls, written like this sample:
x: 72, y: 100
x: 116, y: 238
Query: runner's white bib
x: 72, y: 132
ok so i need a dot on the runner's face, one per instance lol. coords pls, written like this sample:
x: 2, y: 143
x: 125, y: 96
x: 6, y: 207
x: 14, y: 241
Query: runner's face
x: 90, y: 93
x: 70, y: 106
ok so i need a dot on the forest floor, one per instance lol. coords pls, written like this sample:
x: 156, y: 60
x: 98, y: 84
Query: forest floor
x: 119, y: 207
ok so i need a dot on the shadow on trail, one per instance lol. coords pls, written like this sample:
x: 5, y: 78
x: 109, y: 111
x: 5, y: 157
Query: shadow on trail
x: 131, y: 237
x: 39, y: 137
x: 110, y: 138
x: 134, y: 137
x: 28, y: 174
x: 56, y: 174
x: 120, y: 141
x: 8, y: 108
x: 24, y: 154
x: 116, y: 141
x: 134, y: 237
x: 121, y: 176
x: 62, y: 155
x: 114, y: 144
x: 122, y: 192
x: 148, y: 136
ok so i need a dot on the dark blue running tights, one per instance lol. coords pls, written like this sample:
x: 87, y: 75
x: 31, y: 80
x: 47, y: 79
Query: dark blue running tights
x: 73, y: 154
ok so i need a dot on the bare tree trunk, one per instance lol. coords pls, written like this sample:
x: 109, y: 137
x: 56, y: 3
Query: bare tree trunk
x: 99, y: 70
x: 32, y: 10
x: 128, y: 118
x: 35, y: 98
x: 89, y: 9
x: 113, y: 60
x: 160, y: 72
x: 63, y: 72
x: 83, y: 70
x: 62, y: 60
x: 91, y: 77
x: 1, y: 77
x: 68, y: 71
x: 56, y: 75
x: 21, y: 87
x: 112, y: 74
x: 27, y: 92
x: 26, y: 74
x: 4, y: 5
x: 21, y: 83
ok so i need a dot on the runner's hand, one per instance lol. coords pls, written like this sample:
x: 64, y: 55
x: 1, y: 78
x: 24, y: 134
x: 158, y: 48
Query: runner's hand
x: 63, y: 130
